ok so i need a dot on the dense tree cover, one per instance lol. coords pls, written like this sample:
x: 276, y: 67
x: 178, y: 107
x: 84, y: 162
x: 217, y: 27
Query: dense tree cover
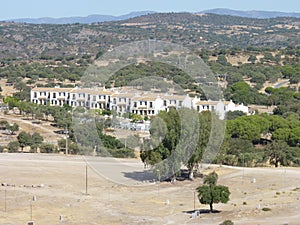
x: 245, y: 132
x: 131, y: 75
x: 210, y: 193
x: 47, y: 148
x: 168, y: 137
x: 89, y: 137
x: 51, y: 71
x: 175, y: 141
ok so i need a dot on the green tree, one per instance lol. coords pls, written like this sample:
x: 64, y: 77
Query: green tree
x: 36, y: 140
x: 222, y: 60
x: 136, y: 117
x: 12, y: 128
x: 24, y: 139
x: 204, y: 134
x: 11, y: 101
x: 210, y: 192
x: 47, y: 148
x: 276, y: 153
x: 227, y: 222
x: 252, y: 59
x: 13, y: 146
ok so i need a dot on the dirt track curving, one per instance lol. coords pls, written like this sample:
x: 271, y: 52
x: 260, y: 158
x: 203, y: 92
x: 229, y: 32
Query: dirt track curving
x: 58, y: 182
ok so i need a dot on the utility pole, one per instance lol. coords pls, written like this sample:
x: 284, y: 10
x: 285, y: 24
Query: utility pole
x: 30, y: 211
x: 158, y: 181
x: 194, y: 201
x: 86, y: 179
x: 66, y: 141
x: 5, y: 200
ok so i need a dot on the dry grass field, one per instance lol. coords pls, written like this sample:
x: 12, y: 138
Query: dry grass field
x: 58, y: 186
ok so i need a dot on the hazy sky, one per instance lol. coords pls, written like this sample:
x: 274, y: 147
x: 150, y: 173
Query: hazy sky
x: 10, y: 9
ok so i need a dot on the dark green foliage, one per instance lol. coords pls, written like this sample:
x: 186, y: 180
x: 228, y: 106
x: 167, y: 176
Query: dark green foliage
x: 231, y: 115
x: 13, y: 146
x: 210, y: 193
x: 12, y: 128
x: 266, y: 209
x: 227, y: 222
x: 276, y: 153
x: 157, y: 71
x: 25, y: 139
x: 248, y: 127
x: 48, y: 148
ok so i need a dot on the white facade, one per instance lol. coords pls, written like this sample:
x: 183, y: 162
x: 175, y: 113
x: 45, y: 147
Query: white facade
x: 75, y: 97
x: 130, y: 101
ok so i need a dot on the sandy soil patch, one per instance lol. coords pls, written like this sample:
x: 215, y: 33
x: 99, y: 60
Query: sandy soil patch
x: 58, y: 182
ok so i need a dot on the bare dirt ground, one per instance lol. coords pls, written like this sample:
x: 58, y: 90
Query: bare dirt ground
x: 58, y: 184
x: 28, y: 125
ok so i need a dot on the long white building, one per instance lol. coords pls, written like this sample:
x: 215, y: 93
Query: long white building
x: 127, y: 100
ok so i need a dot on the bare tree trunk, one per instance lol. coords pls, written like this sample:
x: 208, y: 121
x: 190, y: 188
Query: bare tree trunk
x: 211, y: 207
x: 191, y: 173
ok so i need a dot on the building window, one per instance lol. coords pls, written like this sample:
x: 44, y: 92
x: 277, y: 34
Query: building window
x: 54, y: 95
x: 134, y: 104
x: 34, y: 94
x: 151, y: 104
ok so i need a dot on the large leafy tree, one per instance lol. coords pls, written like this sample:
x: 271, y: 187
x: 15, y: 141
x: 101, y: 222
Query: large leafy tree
x: 204, y: 134
x: 24, y: 139
x: 210, y: 193
x: 173, y: 141
x: 276, y: 153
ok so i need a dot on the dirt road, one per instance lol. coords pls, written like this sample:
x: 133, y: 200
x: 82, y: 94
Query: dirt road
x: 58, y: 184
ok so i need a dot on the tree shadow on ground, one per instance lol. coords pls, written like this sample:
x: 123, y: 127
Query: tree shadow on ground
x: 148, y: 176
x: 202, y: 211
x: 143, y: 176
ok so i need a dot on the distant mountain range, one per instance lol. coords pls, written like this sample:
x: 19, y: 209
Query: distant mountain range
x: 251, y: 14
x: 84, y: 20
x: 103, y: 18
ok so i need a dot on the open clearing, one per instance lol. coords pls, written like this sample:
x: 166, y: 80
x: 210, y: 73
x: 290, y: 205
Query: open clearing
x: 58, y: 184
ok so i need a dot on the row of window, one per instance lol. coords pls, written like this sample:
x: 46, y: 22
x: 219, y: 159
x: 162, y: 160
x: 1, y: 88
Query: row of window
x: 63, y: 94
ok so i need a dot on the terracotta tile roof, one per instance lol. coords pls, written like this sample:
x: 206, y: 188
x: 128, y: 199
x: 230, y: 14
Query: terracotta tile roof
x: 46, y: 89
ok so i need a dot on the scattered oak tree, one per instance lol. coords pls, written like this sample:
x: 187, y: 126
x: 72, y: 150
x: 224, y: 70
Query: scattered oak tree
x: 210, y: 192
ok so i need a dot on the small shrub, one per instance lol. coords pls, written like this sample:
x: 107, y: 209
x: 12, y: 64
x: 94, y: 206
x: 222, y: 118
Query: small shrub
x: 244, y: 203
x: 296, y: 189
x: 277, y: 193
x: 227, y: 222
x: 266, y: 209
x: 47, y: 148
x: 13, y: 146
